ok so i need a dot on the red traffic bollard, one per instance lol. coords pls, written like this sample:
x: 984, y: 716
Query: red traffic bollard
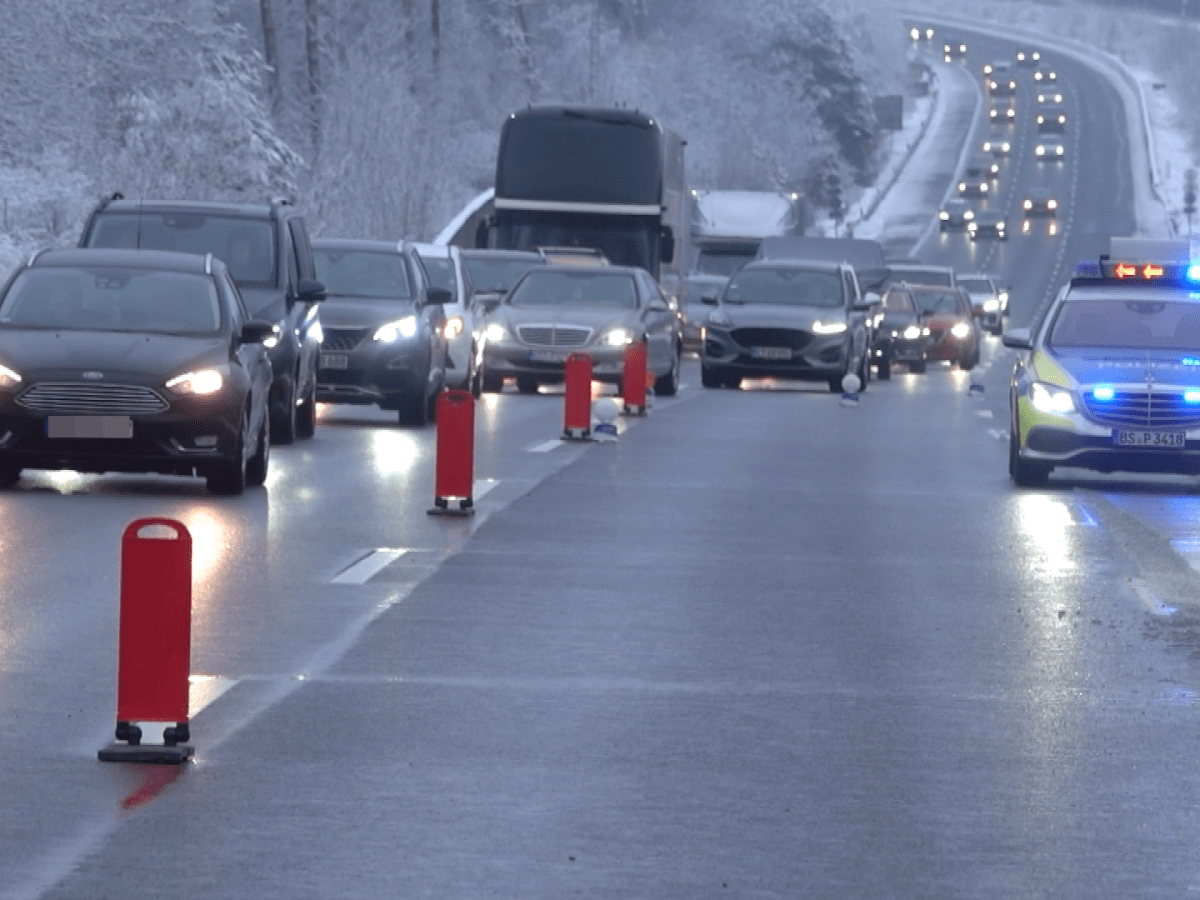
x: 634, y: 379
x: 577, y: 412
x: 455, y: 454
x: 155, y: 641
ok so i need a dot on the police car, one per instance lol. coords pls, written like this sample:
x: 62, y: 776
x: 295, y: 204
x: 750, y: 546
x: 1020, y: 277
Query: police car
x: 1110, y: 380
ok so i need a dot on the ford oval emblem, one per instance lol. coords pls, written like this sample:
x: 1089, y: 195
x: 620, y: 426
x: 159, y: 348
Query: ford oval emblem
x: 93, y: 376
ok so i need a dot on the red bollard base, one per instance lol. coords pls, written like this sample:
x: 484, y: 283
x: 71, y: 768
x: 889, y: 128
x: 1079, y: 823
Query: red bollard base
x: 441, y: 507
x: 577, y: 434
x: 631, y: 410
x: 129, y: 746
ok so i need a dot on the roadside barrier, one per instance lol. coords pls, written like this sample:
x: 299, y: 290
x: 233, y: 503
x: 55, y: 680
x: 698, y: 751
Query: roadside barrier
x: 154, y: 653
x: 577, y: 404
x: 634, y: 379
x: 455, y: 478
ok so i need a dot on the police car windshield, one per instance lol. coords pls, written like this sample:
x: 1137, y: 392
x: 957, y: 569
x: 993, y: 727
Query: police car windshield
x: 1143, y: 321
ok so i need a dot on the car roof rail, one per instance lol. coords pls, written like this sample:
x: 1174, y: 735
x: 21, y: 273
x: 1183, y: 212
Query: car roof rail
x: 34, y: 256
x: 282, y: 201
x: 208, y: 258
x: 109, y: 198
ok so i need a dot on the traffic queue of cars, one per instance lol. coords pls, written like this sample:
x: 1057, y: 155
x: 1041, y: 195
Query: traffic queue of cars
x: 972, y: 208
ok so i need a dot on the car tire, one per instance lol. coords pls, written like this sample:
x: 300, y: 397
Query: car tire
x: 431, y: 406
x: 883, y: 368
x: 668, y: 385
x: 527, y: 384
x: 732, y: 382
x: 710, y: 377
x: 917, y: 367
x: 306, y: 414
x: 229, y: 477
x: 489, y: 383
x: 1024, y: 473
x: 283, y: 428
x: 10, y: 474
x: 413, y: 410
x: 256, y: 468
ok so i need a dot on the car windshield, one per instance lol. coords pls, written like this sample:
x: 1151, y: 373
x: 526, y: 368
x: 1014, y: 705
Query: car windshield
x: 1137, y: 321
x: 935, y: 277
x: 975, y: 285
x: 898, y: 301
x: 946, y: 303
x: 496, y: 276
x: 441, y: 272
x: 360, y: 273
x: 246, y: 246
x: 111, y: 299
x: 786, y: 287
x: 584, y: 288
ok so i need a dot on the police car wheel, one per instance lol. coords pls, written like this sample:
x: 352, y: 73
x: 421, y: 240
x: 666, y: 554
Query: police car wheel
x: 1023, y: 472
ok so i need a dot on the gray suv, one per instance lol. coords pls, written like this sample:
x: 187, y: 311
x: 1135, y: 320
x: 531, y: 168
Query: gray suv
x: 266, y: 248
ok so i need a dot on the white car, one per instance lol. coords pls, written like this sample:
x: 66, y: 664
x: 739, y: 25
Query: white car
x: 446, y: 270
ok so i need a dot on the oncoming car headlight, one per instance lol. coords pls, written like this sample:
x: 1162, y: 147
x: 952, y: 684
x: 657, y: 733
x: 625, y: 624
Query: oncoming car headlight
x: 8, y: 378
x: 912, y: 332
x: 495, y: 333
x: 828, y: 327
x: 199, y: 383
x: 991, y: 305
x: 1048, y: 398
x: 394, y: 331
x: 617, y: 337
x: 961, y: 330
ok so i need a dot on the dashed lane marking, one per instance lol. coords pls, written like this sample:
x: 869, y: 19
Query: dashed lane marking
x: 546, y: 447
x: 483, y: 486
x: 984, y: 413
x: 366, y: 568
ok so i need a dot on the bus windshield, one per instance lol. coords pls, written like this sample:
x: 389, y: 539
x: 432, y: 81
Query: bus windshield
x: 624, y: 241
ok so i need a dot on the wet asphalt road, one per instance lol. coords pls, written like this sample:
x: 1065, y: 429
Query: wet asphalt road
x: 763, y: 646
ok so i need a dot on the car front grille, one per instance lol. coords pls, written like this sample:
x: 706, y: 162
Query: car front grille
x: 771, y: 337
x: 1144, y: 409
x: 554, y: 335
x: 339, y: 340
x: 59, y: 398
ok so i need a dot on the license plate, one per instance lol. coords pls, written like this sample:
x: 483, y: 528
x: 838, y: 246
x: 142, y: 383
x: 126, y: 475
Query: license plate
x: 771, y: 352
x: 89, y: 427
x: 548, y: 356
x: 1159, y: 440
x: 335, y: 361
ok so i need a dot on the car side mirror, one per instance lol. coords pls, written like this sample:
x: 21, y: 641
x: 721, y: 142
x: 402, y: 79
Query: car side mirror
x: 310, y: 291
x: 1018, y: 339
x: 710, y: 300
x: 436, y: 296
x: 863, y: 304
x: 257, y: 331
x: 657, y: 304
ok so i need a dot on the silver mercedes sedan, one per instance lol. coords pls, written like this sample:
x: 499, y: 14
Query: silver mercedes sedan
x: 556, y: 310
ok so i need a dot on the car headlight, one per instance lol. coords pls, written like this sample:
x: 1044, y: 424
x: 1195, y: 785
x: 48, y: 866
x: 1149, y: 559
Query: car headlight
x: 991, y: 305
x: 199, y: 383
x: 1040, y: 150
x: 1028, y: 204
x: 453, y: 327
x: 8, y: 378
x: 394, y: 331
x: 972, y: 227
x: 617, y: 337
x: 828, y: 327
x: 969, y: 215
x: 1050, y: 399
x: 960, y: 330
x: 1052, y: 204
x: 983, y: 188
x: 1003, y: 299
x: 962, y: 185
x: 272, y: 340
x: 495, y: 333
x: 912, y: 332
x: 944, y: 216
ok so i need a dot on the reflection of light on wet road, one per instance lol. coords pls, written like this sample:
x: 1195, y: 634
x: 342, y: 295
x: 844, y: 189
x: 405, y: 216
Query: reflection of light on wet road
x: 211, y: 542
x: 393, y: 452
x: 1047, y: 522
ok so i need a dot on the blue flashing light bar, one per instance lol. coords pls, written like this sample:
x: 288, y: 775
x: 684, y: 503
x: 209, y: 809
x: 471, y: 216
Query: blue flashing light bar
x: 1103, y: 393
x: 1191, y: 396
x: 1193, y: 272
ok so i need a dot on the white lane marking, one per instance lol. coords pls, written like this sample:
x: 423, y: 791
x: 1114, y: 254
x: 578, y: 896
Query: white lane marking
x: 483, y: 486
x: 205, y: 689
x: 1153, y: 604
x: 999, y: 434
x: 366, y: 568
x: 984, y: 413
x: 546, y: 447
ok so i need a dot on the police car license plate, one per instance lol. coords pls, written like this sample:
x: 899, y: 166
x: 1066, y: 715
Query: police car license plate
x: 115, y: 427
x: 335, y: 361
x: 771, y: 352
x: 1156, y: 440
x: 548, y: 356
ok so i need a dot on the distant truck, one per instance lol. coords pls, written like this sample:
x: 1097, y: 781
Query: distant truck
x: 728, y: 226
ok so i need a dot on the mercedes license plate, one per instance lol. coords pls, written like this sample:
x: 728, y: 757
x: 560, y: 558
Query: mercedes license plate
x: 89, y: 427
x: 548, y: 356
x: 1150, y: 438
x: 771, y: 352
x: 335, y: 361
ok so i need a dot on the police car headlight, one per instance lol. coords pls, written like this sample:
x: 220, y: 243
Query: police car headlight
x: 961, y: 330
x: 911, y: 333
x: 1050, y: 399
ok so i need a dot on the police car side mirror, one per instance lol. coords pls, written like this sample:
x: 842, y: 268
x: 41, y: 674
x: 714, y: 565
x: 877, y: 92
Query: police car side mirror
x: 1018, y: 339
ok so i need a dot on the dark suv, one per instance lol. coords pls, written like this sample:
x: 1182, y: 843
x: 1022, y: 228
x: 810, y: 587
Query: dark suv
x: 266, y: 247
